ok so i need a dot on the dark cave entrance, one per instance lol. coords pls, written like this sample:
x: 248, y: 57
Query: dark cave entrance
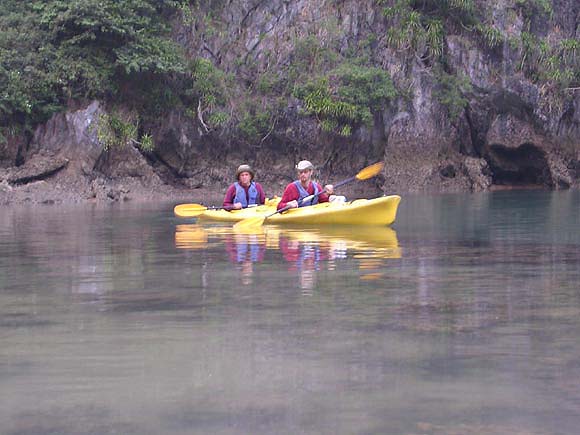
x: 524, y: 166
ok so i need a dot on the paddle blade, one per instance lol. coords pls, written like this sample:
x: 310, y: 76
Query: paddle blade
x: 189, y: 210
x: 370, y: 171
x: 253, y: 222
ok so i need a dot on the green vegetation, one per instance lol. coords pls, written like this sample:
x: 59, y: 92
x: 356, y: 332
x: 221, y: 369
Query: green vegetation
x: 333, y: 114
x: 557, y: 63
x: 54, y: 51
x: 551, y: 61
x: 533, y: 8
x: 451, y: 92
x: 489, y: 35
x: 420, y: 27
x: 117, y: 130
x: 208, y: 88
x: 309, y: 58
x: 254, y: 123
x: 356, y: 92
x: 412, y: 31
x: 341, y: 92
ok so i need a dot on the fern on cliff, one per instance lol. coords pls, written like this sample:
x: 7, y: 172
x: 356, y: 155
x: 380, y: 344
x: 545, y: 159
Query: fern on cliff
x: 451, y: 92
x: 116, y: 130
x: 555, y: 63
x: 346, y: 97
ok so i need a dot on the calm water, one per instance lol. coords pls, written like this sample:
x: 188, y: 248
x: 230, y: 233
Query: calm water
x: 464, y: 318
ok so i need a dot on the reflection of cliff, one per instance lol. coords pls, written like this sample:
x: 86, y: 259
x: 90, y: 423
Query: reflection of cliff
x: 306, y: 250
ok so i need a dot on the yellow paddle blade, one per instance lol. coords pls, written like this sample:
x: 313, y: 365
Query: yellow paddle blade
x: 249, y: 223
x: 189, y: 210
x: 370, y: 171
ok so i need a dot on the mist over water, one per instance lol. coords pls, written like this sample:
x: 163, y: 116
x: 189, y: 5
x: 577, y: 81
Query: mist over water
x: 463, y: 317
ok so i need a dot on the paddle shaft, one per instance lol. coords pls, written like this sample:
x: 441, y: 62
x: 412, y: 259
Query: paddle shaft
x: 340, y: 183
x: 193, y: 210
x: 202, y: 208
x: 226, y: 208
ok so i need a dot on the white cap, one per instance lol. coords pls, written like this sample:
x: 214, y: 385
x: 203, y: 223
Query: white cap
x: 303, y: 165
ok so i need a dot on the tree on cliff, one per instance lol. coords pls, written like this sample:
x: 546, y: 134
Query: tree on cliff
x: 53, y: 52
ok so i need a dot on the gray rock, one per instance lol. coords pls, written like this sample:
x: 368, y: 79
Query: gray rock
x: 71, y: 135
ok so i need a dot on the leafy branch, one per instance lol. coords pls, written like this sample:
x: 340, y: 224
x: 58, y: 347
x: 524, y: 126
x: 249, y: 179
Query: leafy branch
x: 115, y: 132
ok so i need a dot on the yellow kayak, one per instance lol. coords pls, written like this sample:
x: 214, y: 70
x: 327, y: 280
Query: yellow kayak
x: 377, y: 211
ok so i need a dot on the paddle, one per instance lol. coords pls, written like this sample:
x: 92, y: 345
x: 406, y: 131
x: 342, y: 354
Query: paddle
x: 363, y: 174
x: 193, y: 210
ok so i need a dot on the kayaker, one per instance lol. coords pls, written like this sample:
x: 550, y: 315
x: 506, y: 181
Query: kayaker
x: 245, y: 192
x: 303, y: 187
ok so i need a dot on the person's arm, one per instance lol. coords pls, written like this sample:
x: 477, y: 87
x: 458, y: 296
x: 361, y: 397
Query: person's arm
x: 229, y: 198
x: 261, y: 194
x: 290, y: 194
x: 323, y: 197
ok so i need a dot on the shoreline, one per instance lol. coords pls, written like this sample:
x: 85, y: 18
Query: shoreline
x: 43, y: 193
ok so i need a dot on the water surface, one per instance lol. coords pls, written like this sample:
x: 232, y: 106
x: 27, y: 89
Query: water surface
x: 463, y: 318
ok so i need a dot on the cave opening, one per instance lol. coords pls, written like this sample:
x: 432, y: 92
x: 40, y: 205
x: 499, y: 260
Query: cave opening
x: 524, y: 166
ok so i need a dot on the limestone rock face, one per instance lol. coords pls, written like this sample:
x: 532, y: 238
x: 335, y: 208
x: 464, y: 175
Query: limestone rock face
x: 519, y: 154
x: 65, y: 162
x: 71, y: 135
x: 505, y: 130
x: 415, y: 133
x: 10, y: 150
x: 38, y: 167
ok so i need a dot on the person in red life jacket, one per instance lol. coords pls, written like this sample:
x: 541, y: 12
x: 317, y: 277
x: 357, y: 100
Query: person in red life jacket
x: 245, y: 192
x: 299, y: 189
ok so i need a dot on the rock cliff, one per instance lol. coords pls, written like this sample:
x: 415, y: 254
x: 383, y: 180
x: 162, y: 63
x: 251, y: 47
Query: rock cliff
x: 468, y: 114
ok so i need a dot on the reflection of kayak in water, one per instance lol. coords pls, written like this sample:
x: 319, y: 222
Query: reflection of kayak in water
x: 367, y: 242
x: 377, y: 211
x: 196, y: 236
x: 367, y: 236
x: 191, y: 236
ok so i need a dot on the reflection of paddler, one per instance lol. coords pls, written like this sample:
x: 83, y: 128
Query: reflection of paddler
x: 302, y: 255
x: 244, y: 250
x: 370, y: 245
x: 247, y: 271
x: 244, y: 247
